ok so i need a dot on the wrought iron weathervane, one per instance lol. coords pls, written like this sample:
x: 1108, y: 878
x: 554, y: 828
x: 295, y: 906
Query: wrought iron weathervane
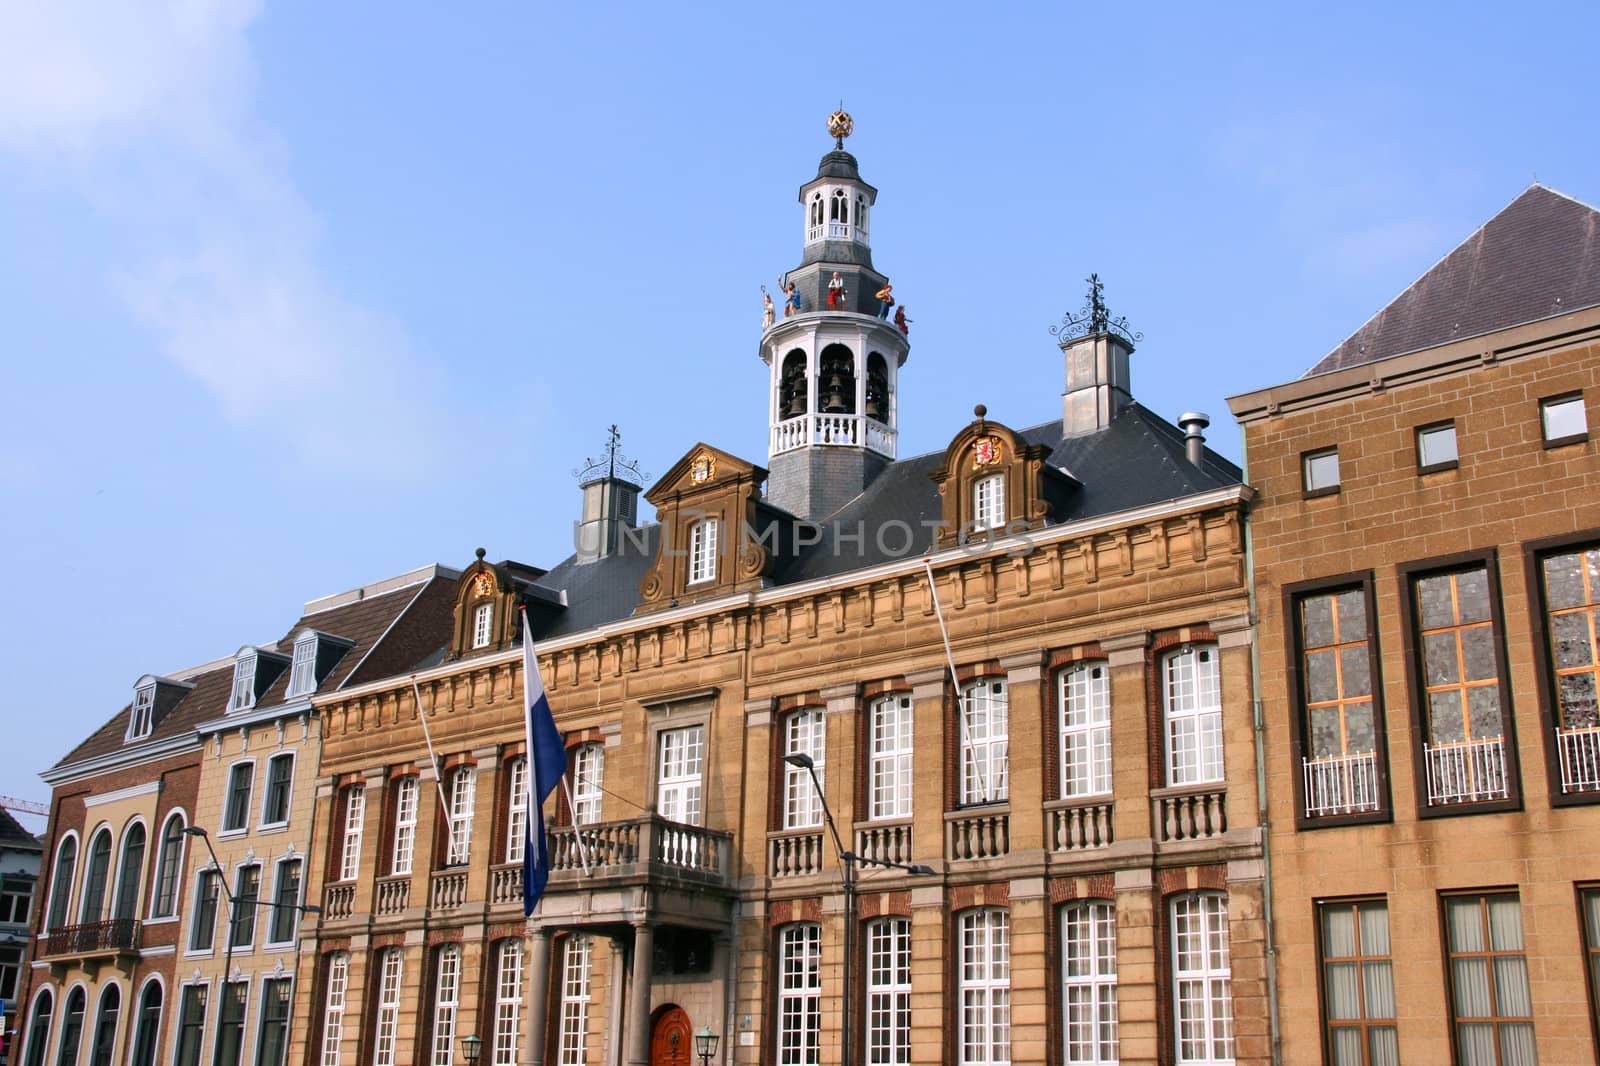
x: 1093, y: 318
x: 612, y: 463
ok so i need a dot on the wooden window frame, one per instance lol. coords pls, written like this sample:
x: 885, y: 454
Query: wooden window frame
x: 1534, y: 554
x: 1307, y: 457
x: 1424, y: 467
x: 1546, y: 402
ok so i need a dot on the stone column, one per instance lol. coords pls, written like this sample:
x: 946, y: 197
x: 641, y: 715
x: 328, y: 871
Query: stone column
x: 839, y: 782
x: 1139, y: 998
x: 1025, y: 754
x: 1131, y: 755
x: 928, y: 784
x: 538, y: 998
x: 1030, y: 970
x: 639, y: 996
x: 614, y: 1015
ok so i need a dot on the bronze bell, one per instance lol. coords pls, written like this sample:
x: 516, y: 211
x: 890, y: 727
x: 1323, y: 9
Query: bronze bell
x: 797, y: 404
x: 836, y: 382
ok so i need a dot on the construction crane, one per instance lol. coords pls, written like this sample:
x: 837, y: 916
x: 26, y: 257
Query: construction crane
x: 11, y: 803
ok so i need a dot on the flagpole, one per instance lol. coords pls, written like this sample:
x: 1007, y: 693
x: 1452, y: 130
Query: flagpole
x: 961, y: 705
x: 438, y: 779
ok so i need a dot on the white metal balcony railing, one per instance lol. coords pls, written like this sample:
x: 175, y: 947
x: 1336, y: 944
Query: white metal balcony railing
x: 1580, y: 759
x: 1467, y: 771
x: 835, y: 231
x: 1341, y: 784
x: 834, y: 430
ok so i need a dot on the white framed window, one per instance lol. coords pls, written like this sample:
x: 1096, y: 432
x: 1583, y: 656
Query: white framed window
x: 285, y: 902
x: 989, y: 502
x: 678, y: 774
x: 1562, y: 419
x: 405, y: 825
x: 144, y: 708
x: 1085, y: 700
x: 803, y: 734
x: 95, y: 874
x: 333, y: 1008
x: 272, y: 1045
x: 203, y: 927
x: 388, y: 1018
x: 244, y: 682
x: 463, y: 795
x: 1436, y: 447
x: 1319, y: 471
x: 169, y: 867
x: 355, y: 810
x: 517, y: 809
x: 236, y: 805
x: 61, y: 875
x: 573, y: 1039
x: 888, y: 991
x: 303, y: 667
x: 1191, y: 700
x: 142, y: 1051
x: 280, y: 786
x: 482, y: 624
x: 230, y: 1023
x: 130, y: 868
x: 191, y: 1025
x: 984, y: 987
x: 507, y: 1004
x: 891, y: 752
x: 1089, y: 982
x: 703, y: 551
x: 246, y: 893
x: 588, y: 783
x: 1202, y: 981
x: 446, y: 997
x: 799, y: 994
x: 985, y: 756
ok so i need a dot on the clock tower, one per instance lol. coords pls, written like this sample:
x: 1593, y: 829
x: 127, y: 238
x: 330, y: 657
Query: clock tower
x: 835, y: 360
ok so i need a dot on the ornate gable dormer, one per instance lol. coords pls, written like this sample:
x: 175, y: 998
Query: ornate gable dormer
x: 717, y: 535
x: 486, y: 601
x: 993, y: 482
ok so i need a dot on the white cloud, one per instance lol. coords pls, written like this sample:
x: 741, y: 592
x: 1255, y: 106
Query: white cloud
x: 145, y: 109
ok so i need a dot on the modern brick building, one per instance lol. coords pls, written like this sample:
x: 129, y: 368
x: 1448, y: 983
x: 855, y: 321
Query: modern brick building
x: 1426, y: 545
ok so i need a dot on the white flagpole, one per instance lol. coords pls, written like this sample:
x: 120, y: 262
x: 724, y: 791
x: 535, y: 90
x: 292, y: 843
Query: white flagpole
x: 577, y: 831
x: 438, y: 779
x: 961, y: 704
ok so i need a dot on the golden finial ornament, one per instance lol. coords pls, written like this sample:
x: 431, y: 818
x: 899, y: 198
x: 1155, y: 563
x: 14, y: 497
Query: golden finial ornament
x: 840, y: 125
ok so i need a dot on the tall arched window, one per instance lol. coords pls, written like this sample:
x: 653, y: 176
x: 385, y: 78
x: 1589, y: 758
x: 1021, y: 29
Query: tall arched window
x: 355, y: 810
x: 1191, y: 700
x: 482, y: 624
x: 703, y: 551
x: 839, y: 207
x: 333, y: 1007
x: 792, y: 385
x: 66, y: 867
x: 72, y: 1028
x: 799, y: 993
x: 803, y: 734
x: 446, y: 997
x: 463, y: 794
x: 105, y: 1027
x: 573, y: 1037
x: 985, y: 756
x: 405, y: 825
x: 588, y: 779
x: 983, y: 986
x: 516, y: 808
x: 891, y: 751
x: 1089, y: 982
x: 1202, y: 978
x: 989, y: 502
x: 168, y: 866
x: 507, y: 1003
x: 39, y: 1028
x: 129, y: 872
x: 390, y: 970
x: 147, y: 1027
x: 94, y: 876
x: 877, y: 400
x: 1085, y: 699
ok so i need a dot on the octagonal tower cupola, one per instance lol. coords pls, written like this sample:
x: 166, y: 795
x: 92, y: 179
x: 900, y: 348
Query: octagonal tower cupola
x: 834, y: 355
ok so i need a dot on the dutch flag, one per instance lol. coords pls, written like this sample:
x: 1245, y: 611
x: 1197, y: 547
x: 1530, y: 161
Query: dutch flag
x: 547, y: 763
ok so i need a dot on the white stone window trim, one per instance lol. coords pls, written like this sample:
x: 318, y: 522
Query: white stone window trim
x: 989, y: 502
x: 242, y: 696
x: 303, y: 666
x: 141, y: 719
x: 482, y: 625
x: 224, y: 827
x: 288, y: 791
x: 703, y: 536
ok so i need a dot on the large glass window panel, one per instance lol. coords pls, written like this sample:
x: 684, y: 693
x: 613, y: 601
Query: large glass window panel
x: 891, y: 751
x: 1202, y: 979
x: 985, y: 757
x: 1085, y: 701
x: 803, y: 734
x: 799, y: 995
x: 678, y: 774
x: 1089, y: 982
x: 888, y: 999
x: 1192, y: 704
x: 983, y: 987
x: 1490, y: 1006
x: 1464, y: 752
x: 1358, y: 983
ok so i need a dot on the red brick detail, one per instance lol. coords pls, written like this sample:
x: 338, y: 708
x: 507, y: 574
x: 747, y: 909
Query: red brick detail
x: 451, y: 935
x: 387, y: 940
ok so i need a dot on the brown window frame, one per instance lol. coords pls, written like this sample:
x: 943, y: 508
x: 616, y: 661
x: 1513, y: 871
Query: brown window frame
x: 1448, y: 464
x: 1570, y: 438
x: 1306, y: 491
x: 1364, y: 1024
x: 1534, y: 554
x: 1489, y: 954
x: 1408, y: 575
x: 1299, y: 722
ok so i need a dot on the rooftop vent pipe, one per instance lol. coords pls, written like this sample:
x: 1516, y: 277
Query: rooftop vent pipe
x: 1193, y: 424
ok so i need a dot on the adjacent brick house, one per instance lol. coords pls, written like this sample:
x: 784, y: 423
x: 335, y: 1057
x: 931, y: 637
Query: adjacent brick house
x: 1426, y: 541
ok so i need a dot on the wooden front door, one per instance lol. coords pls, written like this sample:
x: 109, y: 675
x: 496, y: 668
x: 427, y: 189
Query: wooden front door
x: 672, y: 1039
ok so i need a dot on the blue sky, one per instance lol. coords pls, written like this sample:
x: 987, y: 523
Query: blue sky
x: 299, y: 297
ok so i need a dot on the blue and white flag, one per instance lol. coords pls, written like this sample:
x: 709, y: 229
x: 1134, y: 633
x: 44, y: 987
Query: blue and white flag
x: 547, y: 764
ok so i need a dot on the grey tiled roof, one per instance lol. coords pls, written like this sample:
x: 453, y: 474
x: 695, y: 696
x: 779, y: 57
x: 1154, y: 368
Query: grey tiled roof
x: 12, y: 835
x: 1540, y: 256
x: 1136, y: 461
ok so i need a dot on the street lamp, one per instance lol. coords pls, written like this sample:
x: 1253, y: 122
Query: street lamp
x: 233, y: 917
x: 471, y: 1048
x: 705, y: 1043
x: 847, y: 861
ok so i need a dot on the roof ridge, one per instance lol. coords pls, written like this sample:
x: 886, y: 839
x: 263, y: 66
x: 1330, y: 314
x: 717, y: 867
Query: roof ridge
x: 1537, y: 184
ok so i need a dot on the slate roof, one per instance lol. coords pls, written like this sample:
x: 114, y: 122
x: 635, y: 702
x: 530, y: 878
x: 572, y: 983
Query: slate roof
x: 1540, y: 256
x: 1136, y: 461
x: 384, y: 617
x: 12, y: 835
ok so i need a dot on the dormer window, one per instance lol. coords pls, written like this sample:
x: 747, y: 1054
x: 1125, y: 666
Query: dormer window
x: 703, y: 551
x: 482, y: 624
x: 244, y: 682
x: 144, y: 708
x: 303, y: 672
x: 989, y: 502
